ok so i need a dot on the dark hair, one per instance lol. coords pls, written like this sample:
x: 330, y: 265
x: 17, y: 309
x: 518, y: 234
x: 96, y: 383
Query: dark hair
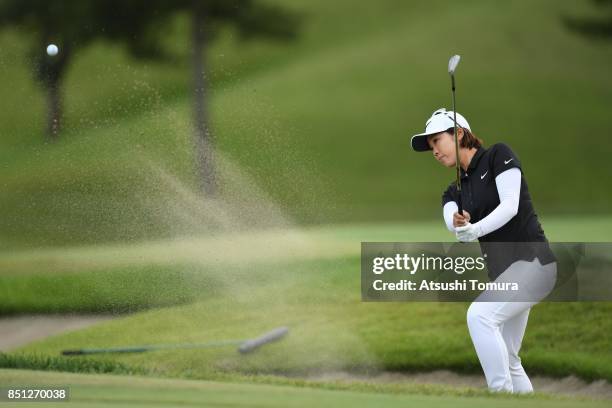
x: 469, y: 140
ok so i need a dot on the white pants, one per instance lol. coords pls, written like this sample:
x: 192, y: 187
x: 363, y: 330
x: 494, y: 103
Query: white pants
x: 497, y: 328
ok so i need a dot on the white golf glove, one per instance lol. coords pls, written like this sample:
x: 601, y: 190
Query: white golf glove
x: 469, y: 232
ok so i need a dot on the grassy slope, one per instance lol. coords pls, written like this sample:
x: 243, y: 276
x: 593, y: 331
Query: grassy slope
x: 331, y: 329
x: 117, y: 391
x: 321, y: 125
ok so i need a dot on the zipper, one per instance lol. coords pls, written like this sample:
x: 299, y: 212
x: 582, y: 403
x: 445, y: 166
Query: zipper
x: 469, y: 190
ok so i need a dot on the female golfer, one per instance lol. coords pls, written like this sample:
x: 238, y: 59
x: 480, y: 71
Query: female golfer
x: 497, y: 210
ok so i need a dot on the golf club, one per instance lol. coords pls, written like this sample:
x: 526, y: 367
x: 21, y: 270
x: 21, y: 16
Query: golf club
x: 245, y: 346
x: 452, y: 66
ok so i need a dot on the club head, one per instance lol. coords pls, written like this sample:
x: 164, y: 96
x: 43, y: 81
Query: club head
x: 253, y: 344
x: 452, y: 64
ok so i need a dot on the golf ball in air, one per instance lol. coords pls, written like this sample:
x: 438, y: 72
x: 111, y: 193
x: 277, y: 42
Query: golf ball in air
x: 52, y: 50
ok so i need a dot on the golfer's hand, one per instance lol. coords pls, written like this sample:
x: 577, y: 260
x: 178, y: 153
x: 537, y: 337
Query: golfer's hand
x: 468, y: 233
x: 461, y: 220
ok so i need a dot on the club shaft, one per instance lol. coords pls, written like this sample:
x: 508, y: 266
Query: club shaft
x: 273, y: 335
x: 246, y: 346
x: 458, y: 163
x: 142, y: 349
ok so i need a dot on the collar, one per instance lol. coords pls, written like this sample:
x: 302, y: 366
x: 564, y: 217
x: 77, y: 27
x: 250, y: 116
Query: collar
x: 474, y: 162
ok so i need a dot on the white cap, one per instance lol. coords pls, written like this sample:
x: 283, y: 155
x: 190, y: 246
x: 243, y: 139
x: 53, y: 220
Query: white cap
x: 440, y: 121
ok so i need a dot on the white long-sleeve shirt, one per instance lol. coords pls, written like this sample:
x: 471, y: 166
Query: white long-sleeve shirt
x: 509, y: 190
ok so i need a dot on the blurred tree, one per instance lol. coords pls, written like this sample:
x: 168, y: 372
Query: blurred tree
x: 600, y: 27
x: 74, y: 24
x: 251, y: 19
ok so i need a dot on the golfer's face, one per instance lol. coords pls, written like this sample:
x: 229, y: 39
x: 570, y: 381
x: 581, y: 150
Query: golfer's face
x: 443, y: 147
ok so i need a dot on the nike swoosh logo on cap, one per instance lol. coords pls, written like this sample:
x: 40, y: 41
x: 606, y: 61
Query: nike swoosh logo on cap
x: 483, y: 176
x: 508, y: 161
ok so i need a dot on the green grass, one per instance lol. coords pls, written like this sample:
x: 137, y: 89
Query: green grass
x: 338, y: 335
x: 240, y: 285
x: 315, y: 131
x: 106, y: 291
x: 317, y: 294
x: 55, y: 363
x: 126, y: 278
x: 121, y: 391
x: 321, y: 125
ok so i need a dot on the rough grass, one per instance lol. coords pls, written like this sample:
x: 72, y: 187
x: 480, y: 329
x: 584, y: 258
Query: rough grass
x: 54, y: 363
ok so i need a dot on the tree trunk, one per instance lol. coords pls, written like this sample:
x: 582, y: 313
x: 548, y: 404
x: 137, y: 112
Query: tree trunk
x: 49, y: 71
x: 54, y: 111
x: 203, y: 138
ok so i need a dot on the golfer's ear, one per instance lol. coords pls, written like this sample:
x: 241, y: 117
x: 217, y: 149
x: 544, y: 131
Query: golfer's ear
x: 460, y: 133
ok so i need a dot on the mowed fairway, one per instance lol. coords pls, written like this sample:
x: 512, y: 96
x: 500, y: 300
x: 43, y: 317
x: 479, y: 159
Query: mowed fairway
x: 120, y: 391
